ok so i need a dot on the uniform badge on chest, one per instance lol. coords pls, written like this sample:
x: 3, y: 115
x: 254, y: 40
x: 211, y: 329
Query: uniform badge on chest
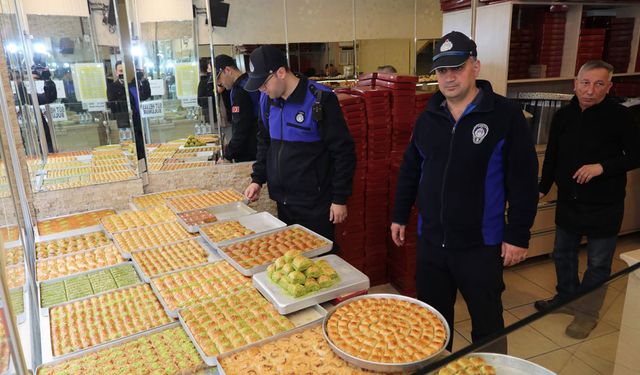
x: 300, y: 117
x: 479, y: 132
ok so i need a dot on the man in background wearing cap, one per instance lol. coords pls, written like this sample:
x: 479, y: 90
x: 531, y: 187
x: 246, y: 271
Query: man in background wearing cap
x: 471, y: 152
x: 305, y: 151
x: 244, y: 110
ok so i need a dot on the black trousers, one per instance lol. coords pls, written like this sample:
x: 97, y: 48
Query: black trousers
x: 477, y: 273
x: 315, y: 218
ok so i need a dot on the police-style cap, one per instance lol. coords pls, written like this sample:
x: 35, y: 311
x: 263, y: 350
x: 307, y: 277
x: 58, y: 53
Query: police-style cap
x: 453, y: 50
x: 223, y: 61
x: 263, y: 61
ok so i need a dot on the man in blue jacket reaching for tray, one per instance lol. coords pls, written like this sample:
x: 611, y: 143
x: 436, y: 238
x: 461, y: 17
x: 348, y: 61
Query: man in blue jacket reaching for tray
x: 471, y: 153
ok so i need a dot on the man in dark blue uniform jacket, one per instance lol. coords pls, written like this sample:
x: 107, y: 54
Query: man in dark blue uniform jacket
x: 305, y: 152
x: 471, y: 152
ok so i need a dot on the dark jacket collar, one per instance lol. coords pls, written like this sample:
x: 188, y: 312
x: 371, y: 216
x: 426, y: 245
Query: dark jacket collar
x: 240, y: 80
x: 486, y: 103
x: 607, y: 101
x: 300, y: 93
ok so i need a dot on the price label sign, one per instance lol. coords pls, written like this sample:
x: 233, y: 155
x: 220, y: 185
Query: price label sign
x: 189, y: 102
x: 58, y: 112
x: 152, y: 108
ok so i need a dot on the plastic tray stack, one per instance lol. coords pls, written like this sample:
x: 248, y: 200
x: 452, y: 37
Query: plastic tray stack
x: 379, y: 96
x: 618, y: 46
x: 590, y: 45
x: 350, y: 234
x: 551, y: 49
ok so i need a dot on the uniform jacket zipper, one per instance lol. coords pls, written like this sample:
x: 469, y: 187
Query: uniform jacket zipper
x: 280, y: 151
x: 444, y: 182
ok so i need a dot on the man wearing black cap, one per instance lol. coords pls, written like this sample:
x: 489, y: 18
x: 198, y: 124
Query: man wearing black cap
x: 305, y: 151
x: 471, y: 152
x: 244, y: 110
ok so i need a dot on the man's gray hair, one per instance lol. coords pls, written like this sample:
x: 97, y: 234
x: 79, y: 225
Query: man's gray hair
x: 596, y: 64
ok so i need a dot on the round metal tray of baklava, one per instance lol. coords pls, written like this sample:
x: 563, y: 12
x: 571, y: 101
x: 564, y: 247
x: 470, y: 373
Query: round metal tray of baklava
x: 383, y: 366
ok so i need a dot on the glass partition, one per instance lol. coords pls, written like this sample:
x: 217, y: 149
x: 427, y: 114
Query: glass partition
x: 552, y: 341
x: 237, y: 39
x: 177, y: 117
x: 79, y: 134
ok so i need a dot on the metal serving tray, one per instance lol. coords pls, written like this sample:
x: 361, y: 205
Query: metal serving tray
x: 45, y: 327
x: 258, y: 223
x: 262, y: 267
x: 134, y: 207
x: 173, y: 313
x: 351, y: 280
x: 379, y: 366
x: 167, y: 201
x: 508, y: 365
x: 277, y: 337
x: 318, y: 310
x: 212, y: 257
x: 70, y: 233
x: 44, y: 311
x: 222, y: 212
x: 110, y: 344
x: 127, y: 254
x: 73, y: 254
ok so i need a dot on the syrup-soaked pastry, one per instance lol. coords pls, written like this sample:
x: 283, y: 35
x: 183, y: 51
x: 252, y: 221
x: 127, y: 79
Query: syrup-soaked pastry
x: 386, y: 330
x: 468, y: 366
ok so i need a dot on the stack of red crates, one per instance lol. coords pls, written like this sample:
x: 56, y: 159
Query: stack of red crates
x: 551, y: 49
x: 378, y: 111
x: 590, y: 46
x: 638, y: 59
x: 521, y: 53
x: 618, y: 45
x: 449, y: 5
x: 422, y: 99
x: 350, y: 234
x: 629, y: 88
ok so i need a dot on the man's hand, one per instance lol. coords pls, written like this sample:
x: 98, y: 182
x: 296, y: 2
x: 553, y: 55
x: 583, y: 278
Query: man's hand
x: 397, y: 233
x: 513, y: 254
x: 540, y: 196
x: 252, y: 192
x: 223, y: 161
x: 337, y: 213
x: 587, y: 172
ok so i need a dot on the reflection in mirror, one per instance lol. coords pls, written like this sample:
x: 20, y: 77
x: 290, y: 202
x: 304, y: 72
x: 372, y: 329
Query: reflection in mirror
x: 13, y: 263
x: 178, y: 116
x: 330, y: 63
x: 384, y: 54
x: 424, y: 59
x: 72, y: 139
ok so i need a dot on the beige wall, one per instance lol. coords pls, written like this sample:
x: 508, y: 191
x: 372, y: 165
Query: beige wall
x: 396, y: 52
x: 56, y: 8
x: 309, y: 20
x: 164, y: 10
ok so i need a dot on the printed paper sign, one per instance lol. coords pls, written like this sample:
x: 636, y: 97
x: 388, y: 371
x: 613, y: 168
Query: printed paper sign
x: 157, y: 87
x: 60, y: 88
x: 186, y: 80
x: 58, y: 112
x: 95, y: 106
x: 189, y: 102
x: 152, y: 108
x: 40, y: 87
x: 90, y: 81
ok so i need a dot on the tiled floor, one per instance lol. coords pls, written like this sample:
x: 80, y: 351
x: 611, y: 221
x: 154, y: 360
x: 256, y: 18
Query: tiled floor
x: 544, y: 342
